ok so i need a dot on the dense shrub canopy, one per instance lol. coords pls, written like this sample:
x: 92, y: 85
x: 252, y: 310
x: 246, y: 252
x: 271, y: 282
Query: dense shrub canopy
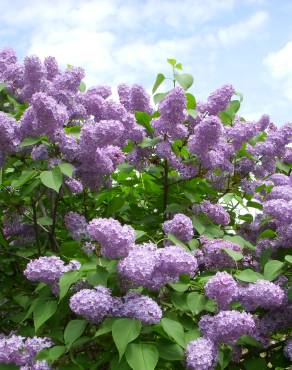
x: 136, y: 235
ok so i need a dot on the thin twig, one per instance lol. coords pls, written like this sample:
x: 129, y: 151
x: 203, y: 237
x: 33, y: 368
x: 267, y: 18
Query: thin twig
x: 35, y: 225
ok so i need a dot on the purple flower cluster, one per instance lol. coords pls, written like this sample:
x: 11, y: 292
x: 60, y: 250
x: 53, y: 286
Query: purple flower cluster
x: 212, y: 255
x: 263, y: 294
x: 21, y: 351
x: 223, y: 288
x: 115, y: 239
x: 227, y: 326
x: 152, y: 268
x: 288, y: 349
x: 201, y: 354
x: 134, y: 98
x: 74, y: 185
x: 48, y: 270
x: 180, y: 226
x: 76, y: 224
x: 137, y: 306
x: 172, y: 115
x: 93, y: 304
x: 218, y: 100
x: 98, y: 303
x: 215, y: 212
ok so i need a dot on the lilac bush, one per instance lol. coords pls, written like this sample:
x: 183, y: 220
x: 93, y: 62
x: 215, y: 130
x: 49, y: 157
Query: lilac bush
x: 142, y: 232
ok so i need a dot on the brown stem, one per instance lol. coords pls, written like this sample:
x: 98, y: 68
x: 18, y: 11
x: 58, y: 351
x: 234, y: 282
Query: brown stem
x: 165, y: 188
x: 35, y: 226
x: 52, y: 236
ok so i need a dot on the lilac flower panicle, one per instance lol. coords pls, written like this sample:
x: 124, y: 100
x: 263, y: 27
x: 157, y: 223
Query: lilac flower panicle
x: 223, y: 288
x: 219, y: 99
x: 174, y: 261
x: 140, y: 307
x: 48, y: 270
x: 76, y: 224
x: 39, y: 152
x: 9, y: 138
x: 288, y: 349
x: 21, y: 351
x: 214, y: 257
x: 93, y: 304
x: 215, y: 212
x: 263, y: 294
x: 201, y: 354
x: 74, y: 185
x: 180, y: 226
x: 115, y: 239
x: 227, y: 326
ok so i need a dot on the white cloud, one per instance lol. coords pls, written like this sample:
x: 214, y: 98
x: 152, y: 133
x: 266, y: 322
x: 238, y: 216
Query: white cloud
x: 242, y: 30
x: 279, y: 65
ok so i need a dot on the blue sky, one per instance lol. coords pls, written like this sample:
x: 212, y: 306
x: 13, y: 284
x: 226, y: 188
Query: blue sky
x: 244, y: 42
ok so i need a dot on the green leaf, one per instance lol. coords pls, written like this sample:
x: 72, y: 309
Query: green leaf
x: 270, y: 234
x: 257, y: 363
x: 248, y: 340
x: 106, y: 327
x: 82, y: 86
x: 66, y: 168
x: 25, y: 176
x: 98, y: 277
x: 73, y: 331
x: 148, y: 142
x: 176, y: 241
x: 139, y: 234
x: 237, y: 239
x: 42, y: 312
x: 142, y: 356
x: 196, y: 302
x: 51, y: 354
x: 158, y: 97
x: 254, y: 205
x: 174, y: 330
x: 73, y: 131
x: 198, y: 225
x: 52, y: 179
x: 249, y: 276
x: 124, y: 331
x: 119, y: 365
x: 159, y: 79
x: 144, y: 120
x: 30, y: 141
x: 191, y: 101
x: 45, y: 221
x: 178, y: 66
x: 171, y: 61
x: 246, y: 217
x: 236, y: 256
x: 8, y: 367
x: 192, y: 335
x: 185, y: 80
x: 66, y: 280
x: 272, y: 269
x: 170, y: 352
x: 179, y: 287
x: 283, y: 167
x: 288, y: 259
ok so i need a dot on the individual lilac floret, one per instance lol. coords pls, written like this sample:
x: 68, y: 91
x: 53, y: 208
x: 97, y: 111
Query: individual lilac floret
x: 93, y: 304
x: 180, y: 226
x: 115, y: 239
x: 214, y: 256
x: 74, y: 185
x: 223, y: 288
x: 76, y: 225
x: 219, y: 99
x: 140, y: 307
x: 263, y: 294
x: 21, y: 351
x: 48, y: 270
x: 288, y: 349
x: 39, y: 152
x: 227, y: 326
x: 201, y: 354
x: 215, y: 212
